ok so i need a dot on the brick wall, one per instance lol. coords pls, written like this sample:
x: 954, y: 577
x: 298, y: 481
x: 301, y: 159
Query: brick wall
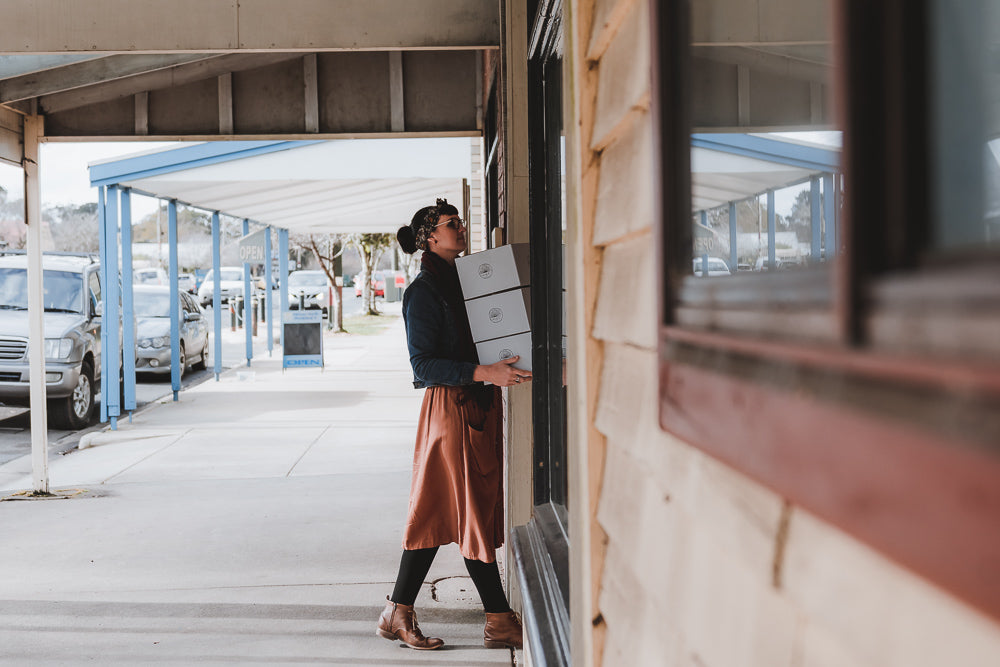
x: 694, y: 564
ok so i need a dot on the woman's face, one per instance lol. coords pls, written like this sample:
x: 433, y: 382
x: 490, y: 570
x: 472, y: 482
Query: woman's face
x: 449, y: 236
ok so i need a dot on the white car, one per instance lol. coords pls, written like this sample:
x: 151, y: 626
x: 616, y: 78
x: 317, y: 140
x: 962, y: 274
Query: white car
x: 716, y: 267
x: 231, y: 285
x: 311, y: 287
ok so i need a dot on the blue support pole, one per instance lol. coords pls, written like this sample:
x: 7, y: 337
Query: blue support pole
x: 216, y: 297
x: 734, y: 257
x: 283, y: 270
x: 247, y: 302
x: 112, y: 364
x: 830, y: 215
x: 815, y: 220
x: 175, y: 300
x: 268, y: 293
x: 128, y: 305
x: 102, y: 236
x: 770, y: 230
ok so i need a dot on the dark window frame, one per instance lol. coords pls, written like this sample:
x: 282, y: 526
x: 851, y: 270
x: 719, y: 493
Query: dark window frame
x: 880, y: 436
x: 541, y: 547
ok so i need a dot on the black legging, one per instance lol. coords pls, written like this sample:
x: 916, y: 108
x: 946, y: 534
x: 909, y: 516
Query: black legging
x: 415, y: 564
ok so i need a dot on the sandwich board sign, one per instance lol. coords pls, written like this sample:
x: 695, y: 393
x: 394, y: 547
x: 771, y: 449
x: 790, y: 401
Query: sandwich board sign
x: 302, y: 339
x: 252, y: 247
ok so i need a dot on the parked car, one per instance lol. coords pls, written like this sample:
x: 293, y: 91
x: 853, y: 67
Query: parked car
x: 149, y: 276
x: 72, y: 292
x: 377, y: 282
x: 312, y: 287
x: 187, y: 283
x: 716, y: 267
x: 231, y: 284
x: 152, y: 339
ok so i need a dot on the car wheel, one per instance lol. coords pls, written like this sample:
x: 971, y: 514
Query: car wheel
x: 202, y: 362
x: 183, y: 360
x: 75, y: 411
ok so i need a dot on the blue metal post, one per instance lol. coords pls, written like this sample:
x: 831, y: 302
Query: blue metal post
x: 175, y: 300
x: 128, y: 305
x: 102, y: 237
x: 830, y: 214
x: 770, y: 230
x: 112, y: 364
x: 815, y: 219
x: 216, y: 297
x: 283, y: 270
x: 247, y: 305
x: 734, y: 257
x: 268, y: 306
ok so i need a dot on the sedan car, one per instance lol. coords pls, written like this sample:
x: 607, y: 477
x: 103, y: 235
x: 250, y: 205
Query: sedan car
x: 152, y: 340
x: 231, y: 285
x: 716, y: 267
x: 186, y: 282
x: 311, y: 287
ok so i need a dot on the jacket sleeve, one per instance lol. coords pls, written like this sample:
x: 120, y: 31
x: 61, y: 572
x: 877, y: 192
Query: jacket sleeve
x: 425, y: 322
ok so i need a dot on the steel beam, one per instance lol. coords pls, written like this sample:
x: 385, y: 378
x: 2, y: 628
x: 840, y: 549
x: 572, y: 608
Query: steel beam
x: 128, y: 304
x: 175, y: 299
x: 216, y: 297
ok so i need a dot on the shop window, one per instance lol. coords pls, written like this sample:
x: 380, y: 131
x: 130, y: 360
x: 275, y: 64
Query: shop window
x: 830, y: 259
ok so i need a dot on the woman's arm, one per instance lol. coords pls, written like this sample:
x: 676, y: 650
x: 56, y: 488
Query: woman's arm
x: 425, y: 326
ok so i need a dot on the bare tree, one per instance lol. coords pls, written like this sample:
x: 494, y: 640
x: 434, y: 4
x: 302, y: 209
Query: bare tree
x: 333, y: 248
x: 370, y: 248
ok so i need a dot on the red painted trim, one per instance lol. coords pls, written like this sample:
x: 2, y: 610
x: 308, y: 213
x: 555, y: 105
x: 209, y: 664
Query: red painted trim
x: 979, y: 377
x: 930, y: 504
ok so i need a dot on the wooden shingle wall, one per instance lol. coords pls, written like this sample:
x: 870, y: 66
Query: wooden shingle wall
x: 693, y: 564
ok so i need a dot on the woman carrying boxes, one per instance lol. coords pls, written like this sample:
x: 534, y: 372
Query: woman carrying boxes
x: 457, y: 488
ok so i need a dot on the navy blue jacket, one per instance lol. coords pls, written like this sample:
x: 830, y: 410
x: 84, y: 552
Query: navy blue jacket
x: 432, y: 337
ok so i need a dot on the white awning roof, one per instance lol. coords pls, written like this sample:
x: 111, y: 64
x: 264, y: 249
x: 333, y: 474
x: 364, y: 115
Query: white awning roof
x: 371, y: 185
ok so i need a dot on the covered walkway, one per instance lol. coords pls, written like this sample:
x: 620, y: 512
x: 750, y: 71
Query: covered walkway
x: 272, y: 545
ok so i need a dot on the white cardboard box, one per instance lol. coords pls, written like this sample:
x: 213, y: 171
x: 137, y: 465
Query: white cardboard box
x: 501, y: 314
x: 518, y: 345
x: 495, y: 270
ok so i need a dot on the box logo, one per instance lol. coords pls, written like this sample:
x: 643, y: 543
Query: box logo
x: 496, y: 315
x: 506, y: 353
x: 485, y: 271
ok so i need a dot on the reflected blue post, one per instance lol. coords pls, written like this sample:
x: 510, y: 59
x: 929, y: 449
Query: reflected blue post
x: 175, y: 300
x: 734, y: 256
x: 268, y: 294
x: 830, y: 204
x: 102, y: 236
x: 112, y: 364
x: 815, y: 220
x: 770, y: 230
x: 128, y: 304
x: 216, y: 297
x: 247, y: 301
x: 704, y: 255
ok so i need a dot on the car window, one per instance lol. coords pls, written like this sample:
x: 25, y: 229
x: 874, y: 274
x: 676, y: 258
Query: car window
x: 94, y: 282
x: 232, y: 274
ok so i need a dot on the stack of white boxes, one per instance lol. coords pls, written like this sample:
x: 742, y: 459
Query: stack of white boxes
x: 496, y: 287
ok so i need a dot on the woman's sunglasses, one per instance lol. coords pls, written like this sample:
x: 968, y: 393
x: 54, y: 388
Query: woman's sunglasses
x: 453, y: 223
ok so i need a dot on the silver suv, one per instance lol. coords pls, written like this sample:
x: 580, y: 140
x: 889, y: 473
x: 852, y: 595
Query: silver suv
x: 72, y: 290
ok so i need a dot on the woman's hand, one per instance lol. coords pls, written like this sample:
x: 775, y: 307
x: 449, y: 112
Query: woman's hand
x: 502, y: 373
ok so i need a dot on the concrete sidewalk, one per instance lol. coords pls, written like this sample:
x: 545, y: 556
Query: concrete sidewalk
x: 255, y: 521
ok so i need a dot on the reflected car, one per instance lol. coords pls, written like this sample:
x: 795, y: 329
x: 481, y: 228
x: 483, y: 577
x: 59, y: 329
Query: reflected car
x: 231, y: 285
x: 152, y: 336
x: 716, y: 267
x: 311, y: 287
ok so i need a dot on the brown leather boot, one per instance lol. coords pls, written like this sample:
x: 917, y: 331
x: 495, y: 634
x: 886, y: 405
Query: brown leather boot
x: 399, y: 621
x: 502, y: 630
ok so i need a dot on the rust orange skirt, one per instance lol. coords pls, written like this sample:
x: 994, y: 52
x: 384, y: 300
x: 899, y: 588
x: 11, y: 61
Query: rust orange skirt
x: 457, y: 490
